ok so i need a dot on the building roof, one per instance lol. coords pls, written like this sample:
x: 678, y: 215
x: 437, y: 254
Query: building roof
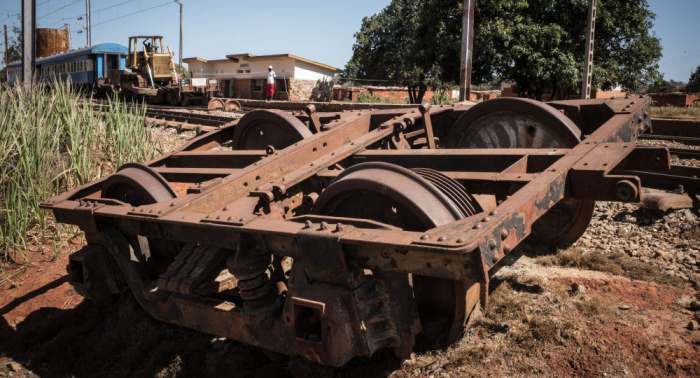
x: 251, y: 57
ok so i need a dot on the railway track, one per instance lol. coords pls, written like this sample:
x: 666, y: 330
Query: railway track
x: 201, y: 123
x: 180, y: 119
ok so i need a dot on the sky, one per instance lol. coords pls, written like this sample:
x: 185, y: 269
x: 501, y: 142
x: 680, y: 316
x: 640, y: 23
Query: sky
x: 320, y: 30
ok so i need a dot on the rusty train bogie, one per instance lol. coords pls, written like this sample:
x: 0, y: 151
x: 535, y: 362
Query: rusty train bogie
x: 334, y: 235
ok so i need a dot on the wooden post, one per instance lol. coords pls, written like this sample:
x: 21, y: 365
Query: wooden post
x: 590, y: 37
x: 465, y: 74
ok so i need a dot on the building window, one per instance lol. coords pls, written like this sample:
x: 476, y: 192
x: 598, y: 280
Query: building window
x: 280, y: 85
x: 257, y: 85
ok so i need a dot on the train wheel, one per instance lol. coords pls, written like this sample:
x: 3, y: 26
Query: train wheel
x: 174, y: 98
x: 137, y: 185
x: 184, y: 100
x: 261, y: 128
x: 414, y: 201
x: 524, y: 123
x: 216, y: 103
x: 232, y: 105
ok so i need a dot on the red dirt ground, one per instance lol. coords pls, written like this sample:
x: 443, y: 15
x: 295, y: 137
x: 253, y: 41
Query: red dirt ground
x: 51, y: 331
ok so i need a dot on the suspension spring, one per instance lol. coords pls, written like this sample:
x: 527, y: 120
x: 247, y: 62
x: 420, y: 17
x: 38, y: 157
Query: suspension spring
x: 254, y: 273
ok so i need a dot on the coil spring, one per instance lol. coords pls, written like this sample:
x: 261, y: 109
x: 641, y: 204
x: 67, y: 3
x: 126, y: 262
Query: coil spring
x: 254, y: 274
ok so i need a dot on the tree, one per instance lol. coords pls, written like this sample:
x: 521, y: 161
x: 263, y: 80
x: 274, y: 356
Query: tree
x: 14, y: 50
x: 14, y: 45
x: 181, y: 70
x: 538, y: 44
x: 399, y: 45
x: 694, y: 82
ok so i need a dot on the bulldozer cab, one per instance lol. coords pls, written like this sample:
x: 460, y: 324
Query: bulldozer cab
x: 147, y: 53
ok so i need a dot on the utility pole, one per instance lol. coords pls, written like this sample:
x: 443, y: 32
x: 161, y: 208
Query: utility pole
x: 180, y: 50
x: 6, y: 58
x: 465, y: 73
x: 87, y: 12
x: 70, y: 37
x: 590, y: 37
x: 28, y: 44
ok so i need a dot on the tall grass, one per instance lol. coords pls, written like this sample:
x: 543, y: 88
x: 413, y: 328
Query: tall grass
x: 675, y: 112
x: 51, y: 141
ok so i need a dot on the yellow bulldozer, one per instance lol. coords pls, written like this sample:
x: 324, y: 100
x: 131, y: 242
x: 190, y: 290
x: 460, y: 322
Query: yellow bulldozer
x: 153, y: 77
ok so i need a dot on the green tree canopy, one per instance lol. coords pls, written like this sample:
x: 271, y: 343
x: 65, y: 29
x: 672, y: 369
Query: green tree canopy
x: 538, y: 44
x: 14, y: 45
x: 694, y: 82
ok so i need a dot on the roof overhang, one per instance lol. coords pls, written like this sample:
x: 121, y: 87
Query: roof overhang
x: 195, y: 59
x: 290, y: 56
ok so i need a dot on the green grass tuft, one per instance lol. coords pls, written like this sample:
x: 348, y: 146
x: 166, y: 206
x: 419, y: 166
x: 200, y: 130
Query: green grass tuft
x: 51, y: 141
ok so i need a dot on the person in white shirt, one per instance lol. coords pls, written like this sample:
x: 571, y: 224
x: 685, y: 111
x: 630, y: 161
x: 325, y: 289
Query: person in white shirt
x: 270, y: 93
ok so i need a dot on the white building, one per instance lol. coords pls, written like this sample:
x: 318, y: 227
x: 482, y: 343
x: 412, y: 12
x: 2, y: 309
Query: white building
x: 244, y: 75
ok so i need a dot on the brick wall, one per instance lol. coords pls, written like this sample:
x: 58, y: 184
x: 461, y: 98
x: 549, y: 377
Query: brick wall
x: 680, y: 100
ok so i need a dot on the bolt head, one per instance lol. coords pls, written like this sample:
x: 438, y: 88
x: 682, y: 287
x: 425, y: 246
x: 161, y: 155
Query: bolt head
x: 486, y: 219
x: 504, y: 233
x: 339, y: 227
x: 425, y: 237
x: 492, y: 244
x: 243, y: 219
x: 324, y: 225
x: 461, y: 240
x: 308, y: 224
x: 477, y: 226
x: 225, y: 208
x: 442, y: 239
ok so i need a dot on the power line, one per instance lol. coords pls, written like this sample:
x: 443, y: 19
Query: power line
x: 680, y: 57
x: 62, y: 20
x: 112, y: 6
x: 65, y: 6
x: 10, y: 15
x: 687, y: 59
x: 131, y: 14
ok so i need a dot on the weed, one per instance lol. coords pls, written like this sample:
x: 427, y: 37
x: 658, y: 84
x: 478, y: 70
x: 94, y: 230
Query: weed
x: 51, y: 141
x: 675, y: 112
x: 616, y: 263
x: 593, y: 304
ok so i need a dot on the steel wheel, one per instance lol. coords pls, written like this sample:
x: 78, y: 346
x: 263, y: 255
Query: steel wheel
x: 137, y: 185
x: 261, y: 128
x: 216, y: 103
x: 232, y: 105
x: 524, y: 123
x: 399, y: 197
x: 513, y: 123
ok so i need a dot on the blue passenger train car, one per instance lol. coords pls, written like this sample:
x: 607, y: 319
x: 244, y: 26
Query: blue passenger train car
x: 85, y: 66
